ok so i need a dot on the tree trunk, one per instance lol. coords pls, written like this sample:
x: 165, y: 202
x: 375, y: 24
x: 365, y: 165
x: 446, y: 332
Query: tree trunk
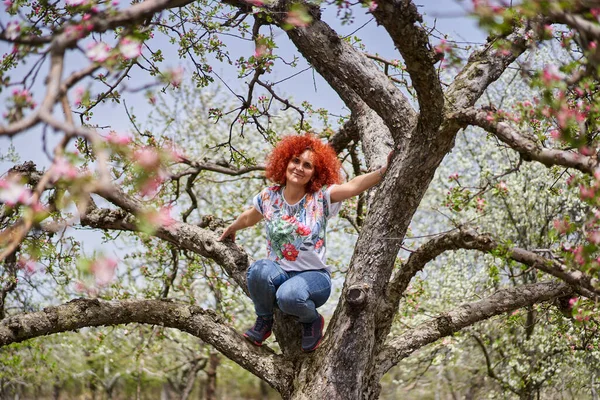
x: 211, y: 373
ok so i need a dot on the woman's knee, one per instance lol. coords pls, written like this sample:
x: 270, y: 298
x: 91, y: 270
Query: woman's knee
x: 263, y: 271
x: 289, y: 298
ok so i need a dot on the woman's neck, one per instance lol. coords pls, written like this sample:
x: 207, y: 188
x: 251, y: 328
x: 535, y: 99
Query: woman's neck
x: 293, y: 193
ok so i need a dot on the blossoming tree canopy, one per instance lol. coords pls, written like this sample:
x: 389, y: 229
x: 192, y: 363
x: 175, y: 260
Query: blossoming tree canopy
x: 502, y: 131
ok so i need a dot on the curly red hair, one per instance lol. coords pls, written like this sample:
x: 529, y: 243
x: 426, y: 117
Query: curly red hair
x: 326, y: 164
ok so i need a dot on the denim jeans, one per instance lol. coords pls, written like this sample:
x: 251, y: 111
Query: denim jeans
x: 296, y: 293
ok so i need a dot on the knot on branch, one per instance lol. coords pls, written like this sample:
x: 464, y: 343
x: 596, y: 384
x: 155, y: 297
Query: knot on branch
x: 357, y: 295
x: 444, y: 325
x: 27, y: 170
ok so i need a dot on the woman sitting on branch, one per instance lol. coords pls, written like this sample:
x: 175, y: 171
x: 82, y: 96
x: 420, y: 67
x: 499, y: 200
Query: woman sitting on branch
x: 295, y: 277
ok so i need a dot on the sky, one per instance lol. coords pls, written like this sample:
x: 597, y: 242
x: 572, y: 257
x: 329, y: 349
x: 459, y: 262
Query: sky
x: 447, y: 16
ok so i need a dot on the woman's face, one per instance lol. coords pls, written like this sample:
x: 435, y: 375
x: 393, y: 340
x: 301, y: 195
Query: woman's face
x: 300, y: 169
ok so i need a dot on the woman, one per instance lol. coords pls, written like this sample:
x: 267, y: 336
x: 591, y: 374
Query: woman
x: 295, y: 277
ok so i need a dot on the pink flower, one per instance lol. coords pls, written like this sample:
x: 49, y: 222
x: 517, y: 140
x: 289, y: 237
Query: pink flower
x: 299, y: 19
x: 75, y: 3
x: 162, y: 219
x: 63, y: 169
x: 586, y: 192
x: 13, y: 30
x: 79, y: 92
x: 28, y: 265
x: 551, y: 74
x: 594, y: 237
x: 290, y: 218
x: 120, y: 140
x: 578, y: 255
x: 502, y: 186
x: 256, y: 3
x: 151, y: 185
x: 373, y: 5
x: 260, y: 51
x: 98, y: 52
x: 290, y: 252
x: 453, y: 177
x: 561, y: 225
x: 572, y: 301
x: 175, y: 76
x: 8, y: 3
x: 303, y: 230
x: 12, y: 193
x: 319, y: 244
x: 586, y: 151
x: 103, y: 269
x: 130, y: 48
x: 147, y: 158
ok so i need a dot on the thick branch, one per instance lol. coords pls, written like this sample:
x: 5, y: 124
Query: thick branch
x: 484, y: 67
x: 201, y: 323
x: 400, y: 18
x: 525, y: 146
x: 204, y: 242
x: 468, y: 314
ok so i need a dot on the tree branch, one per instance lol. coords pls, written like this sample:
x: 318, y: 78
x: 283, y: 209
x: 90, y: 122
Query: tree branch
x: 468, y: 314
x: 525, y: 146
x: 400, y: 18
x: 205, y: 324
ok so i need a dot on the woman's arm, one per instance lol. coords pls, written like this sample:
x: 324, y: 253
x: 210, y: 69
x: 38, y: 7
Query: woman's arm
x: 246, y: 219
x: 357, y: 185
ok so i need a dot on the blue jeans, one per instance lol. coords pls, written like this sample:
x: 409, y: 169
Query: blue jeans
x: 296, y: 293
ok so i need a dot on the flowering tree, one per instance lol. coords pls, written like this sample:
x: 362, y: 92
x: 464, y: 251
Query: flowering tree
x: 134, y: 183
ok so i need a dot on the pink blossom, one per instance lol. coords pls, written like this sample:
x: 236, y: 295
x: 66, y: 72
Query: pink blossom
x: 561, y: 225
x: 120, y: 140
x: 551, y: 74
x: 480, y: 204
x: 28, y: 265
x: 555, y: 134
x: 175, y: 76
x: 260, y: 51
x: 373, y: 5
x: 8, y: 3
x: 297, y: 18
x: 594, y: 237
x: 12, y: 193
x: 578, y: 255
x: 13, y: 30
x: 572, y: 301
x: 103, y: 269
x: 593, y: 45
x: 256, y: 3
x: 130, y: 48
x: 453, y: 177
x: 586, y: 192
x: 502, y: 186
x: 62, y: 169
x: 75, y: 3
x: 98, y: 52
x: 162, y: 218
x: 586, y: 151
x: 147, y: 158
x: 151, y: 185
x: 74, y: 30
x: 79, y: 92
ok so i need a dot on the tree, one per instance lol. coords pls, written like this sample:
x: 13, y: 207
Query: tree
x: 557, y: 129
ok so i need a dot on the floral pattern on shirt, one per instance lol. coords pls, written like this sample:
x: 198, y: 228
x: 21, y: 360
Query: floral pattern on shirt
x: 292, y: 229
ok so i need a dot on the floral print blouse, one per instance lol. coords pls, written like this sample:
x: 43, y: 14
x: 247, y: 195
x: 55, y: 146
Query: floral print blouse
x: 296, y: 232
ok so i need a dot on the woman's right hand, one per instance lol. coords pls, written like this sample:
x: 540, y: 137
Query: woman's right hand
x: 229, y: 232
